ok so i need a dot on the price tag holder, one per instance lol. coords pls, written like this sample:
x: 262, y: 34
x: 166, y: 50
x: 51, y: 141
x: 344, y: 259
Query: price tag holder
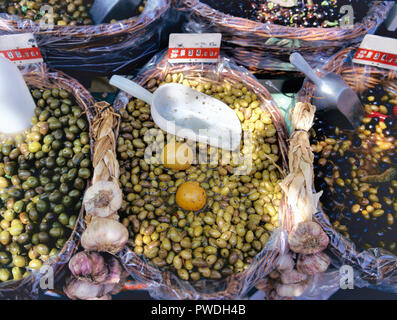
x: 377, y: 51
x: 285, y: 3
x: 21, y: 48
x: 194, y: 47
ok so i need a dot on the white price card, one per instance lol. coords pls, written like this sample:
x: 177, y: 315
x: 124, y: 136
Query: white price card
x: 194, y: 47
x: 377, y: 51
x: 285, y: 3
x: 20, y: 48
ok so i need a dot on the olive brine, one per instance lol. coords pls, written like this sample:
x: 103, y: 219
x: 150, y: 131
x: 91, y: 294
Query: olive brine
x: 358, y: 173
x: 306, y: 13
x: 43, y: 175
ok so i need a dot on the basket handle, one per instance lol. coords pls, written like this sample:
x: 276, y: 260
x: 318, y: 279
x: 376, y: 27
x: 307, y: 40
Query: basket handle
x: 301, y: 64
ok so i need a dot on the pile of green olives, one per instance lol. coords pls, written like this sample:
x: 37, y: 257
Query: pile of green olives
x: 43, y: 175
x: 64, y: 12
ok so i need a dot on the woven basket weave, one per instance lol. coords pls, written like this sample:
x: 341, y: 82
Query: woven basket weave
x: 97, y: 49
x: 163, y: 284
x: 265, y: 48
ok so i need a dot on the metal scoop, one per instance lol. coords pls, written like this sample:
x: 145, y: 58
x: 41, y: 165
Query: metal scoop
x: 103, y: 11
x: 332, y: 92
x: 188, y: 113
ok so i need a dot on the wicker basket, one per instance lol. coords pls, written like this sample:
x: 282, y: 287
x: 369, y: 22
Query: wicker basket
x: 265, y: 48
x: 97, y: 49
x: 40, y: 77
x: 375, y: 266
x: 163, y: 284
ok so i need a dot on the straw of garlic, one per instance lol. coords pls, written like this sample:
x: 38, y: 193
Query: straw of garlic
x: 104, y: 234
x: 313, y: 263
x: 308, y: 238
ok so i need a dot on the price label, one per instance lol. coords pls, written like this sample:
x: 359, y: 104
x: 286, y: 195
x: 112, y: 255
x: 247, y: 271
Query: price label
x: 194, y: 47
x: 20, y: 48
x: 377, y: 51
x: 285, y: 3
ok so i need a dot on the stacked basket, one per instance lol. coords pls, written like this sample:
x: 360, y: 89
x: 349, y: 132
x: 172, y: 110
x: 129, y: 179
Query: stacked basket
x: 265, y: 47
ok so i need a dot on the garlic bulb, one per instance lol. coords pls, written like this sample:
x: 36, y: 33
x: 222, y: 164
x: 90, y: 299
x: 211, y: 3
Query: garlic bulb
x: 104, y: 235
x: 285, y: 263
x: 313, y: 263
x: 84, y: 290
x: 115, y: 271
x: 102, y: 199
x: 308, y: 238
x: 291, y: 290
x: 89, y: 266
x: 292, y: 276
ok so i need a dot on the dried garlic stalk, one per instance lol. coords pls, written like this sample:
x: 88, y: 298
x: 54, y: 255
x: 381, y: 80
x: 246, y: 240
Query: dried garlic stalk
x: 298, y: 184
x: 101, y: 201
x: 305, y: 237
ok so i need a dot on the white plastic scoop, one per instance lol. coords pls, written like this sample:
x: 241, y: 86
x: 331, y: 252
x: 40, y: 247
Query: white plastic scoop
x: 16, y: 102
x: 188, y: 113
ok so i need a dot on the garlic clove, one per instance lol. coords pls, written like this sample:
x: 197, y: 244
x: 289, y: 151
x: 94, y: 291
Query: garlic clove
x: 102, y: 199
x: 104, y: 234
x: 308, y: 238
x: 313, y: 263
x: 264, y: 285
x: 274, y: 274
x: 292, y: 276
x: 115, y: 271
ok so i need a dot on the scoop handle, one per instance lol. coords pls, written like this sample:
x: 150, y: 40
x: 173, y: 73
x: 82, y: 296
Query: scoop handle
x: 132, y: 88
x: 299, y: 62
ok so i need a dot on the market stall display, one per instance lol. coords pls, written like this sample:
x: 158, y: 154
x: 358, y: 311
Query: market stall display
x: 198, y: 228
x: 356, y: 172
x: 44, y: 173
x: 74, y: 44
x: 264, y: 47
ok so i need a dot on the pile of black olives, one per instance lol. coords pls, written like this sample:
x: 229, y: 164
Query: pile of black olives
x: 43, y: 175
x: 306, y: 13
x: 357, y: 172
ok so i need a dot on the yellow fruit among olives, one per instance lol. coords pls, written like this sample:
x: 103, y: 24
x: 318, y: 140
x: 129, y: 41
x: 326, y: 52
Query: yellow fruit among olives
x: 177, y: 156
x: 190, y: 196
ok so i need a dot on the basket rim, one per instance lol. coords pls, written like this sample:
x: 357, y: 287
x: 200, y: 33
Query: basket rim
x: 268, y: 30
x: 40, y: 76
x: 232, y: 283
x: 131, y: 25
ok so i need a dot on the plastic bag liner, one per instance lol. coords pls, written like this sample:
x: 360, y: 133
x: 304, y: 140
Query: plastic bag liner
x: 96, y: 49
x: 265, y: 47
x: 375, y: 267
x: 164, y: 284
x: 40, y: 77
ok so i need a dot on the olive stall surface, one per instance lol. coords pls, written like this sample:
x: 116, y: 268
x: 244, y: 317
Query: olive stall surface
x: 43, y: 174
x: 306, y: 13
x: 241, y: 211
x: 358, y: 173
x: 65, y: 12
